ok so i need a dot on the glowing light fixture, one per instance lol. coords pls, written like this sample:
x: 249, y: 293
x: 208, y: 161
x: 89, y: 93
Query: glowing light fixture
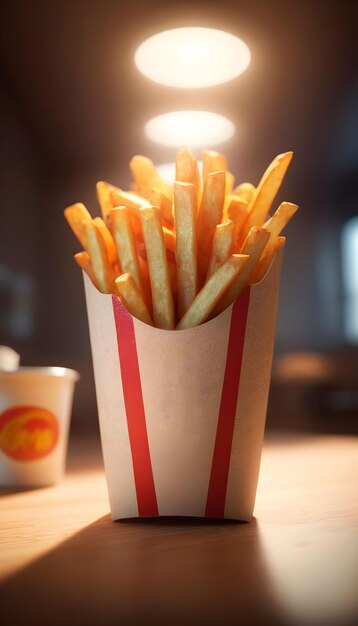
x: 192, y: 57
x: 194, y: 129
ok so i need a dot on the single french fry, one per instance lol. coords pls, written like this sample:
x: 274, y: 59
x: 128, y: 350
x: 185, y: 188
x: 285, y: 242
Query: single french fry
x: 187, y: 170
x: 280, y: 218
x: 84, y: 262
x: 132, y: 298
x: 222, y: 245
x: 104, y: 198
x: 267, y: 189
x: 135, y: 202
x: 99, y: 258
x: 253, y: 246
x: 163, y: 306
x: 164, y: 204
x: 245, y: 190
x: 77, y: 217
x: 146, y: 177
x: 185, y: 209
x: 237, y: 212
x: 125, y: 242
x: 229, y: 183
x: 212, y: 291
x: 144, y: 272
x: 127, y: 198
x: 213, y: 162
x: 143, y: 262
x: 108, y: 240
x: 266, y: 259
x: 211, y: 210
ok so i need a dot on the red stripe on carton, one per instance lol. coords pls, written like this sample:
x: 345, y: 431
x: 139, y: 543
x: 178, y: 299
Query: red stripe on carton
x: 133, y: 399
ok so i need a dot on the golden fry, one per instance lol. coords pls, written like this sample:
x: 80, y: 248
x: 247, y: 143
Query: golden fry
x: 229, y: 183
x: 163, y: 306
x: 222, y: 245
x: 267, y: 189
x: 254, y: 245
x: 280, y: 218
x: 108, y: 240
x: 125, y: 242
x: 185, y: 208
x: 146, y: 177
x: 212, y: 291
x: 134, y: 202
x: 211, y: 210
x: 266, y: 259
x: 84, y: 262
x: 164, y: 204
x: 132, y: 298
x: 238, y: 212
x: 99, y: 258
x: 213, y: 162
x: 77, y: 217
x: 245, y: 190
x: 104, y: 198
x: 127, y: 198
x: 187, y: 170
x: 144, y: 272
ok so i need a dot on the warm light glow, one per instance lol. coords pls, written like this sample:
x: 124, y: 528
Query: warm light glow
x: 193, y: 129
x: 192, y: 57
x: 167, y: 171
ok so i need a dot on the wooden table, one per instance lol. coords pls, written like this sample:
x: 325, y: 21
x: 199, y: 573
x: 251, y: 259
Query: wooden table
x: 62, y: 561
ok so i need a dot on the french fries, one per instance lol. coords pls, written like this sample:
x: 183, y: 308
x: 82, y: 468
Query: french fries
x: 104, y: 198
x: 108, y: 240
x: 223, y: 242
x: 83, y: 261
x: 268, y: 255
x: 78, y: 217
x: 146, y: 177
x: 164, y: 204
x: 213, y: 162
x: 267, y: 189
x: 125, y: 242
x: 253, y: 247
x: 99, y: 258
x: 237, y: 212
x: 132, y: 298
x: 177, y: 256
x: 245, y: 191
x: 185, y: 209
x: 212, y: 291
x: 163, y: 306
x: 210, y: 214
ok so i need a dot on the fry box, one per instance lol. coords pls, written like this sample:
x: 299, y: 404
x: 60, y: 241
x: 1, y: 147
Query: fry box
x: 182, y: 413
x: 35, y: 410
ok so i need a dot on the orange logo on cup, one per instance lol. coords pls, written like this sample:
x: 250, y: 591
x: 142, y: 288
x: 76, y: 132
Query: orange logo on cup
x: 27, y: 433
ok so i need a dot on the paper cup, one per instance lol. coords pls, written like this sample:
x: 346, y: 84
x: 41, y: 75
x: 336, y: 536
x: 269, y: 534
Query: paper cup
x: 182, y: 413
x: 35, y: 410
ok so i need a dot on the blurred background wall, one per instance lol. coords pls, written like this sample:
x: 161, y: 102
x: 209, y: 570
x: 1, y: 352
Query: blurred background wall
x: 72, y: 111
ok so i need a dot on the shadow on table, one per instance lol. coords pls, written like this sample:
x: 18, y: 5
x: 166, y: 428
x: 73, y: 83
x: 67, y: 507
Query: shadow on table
x: 156, y: 572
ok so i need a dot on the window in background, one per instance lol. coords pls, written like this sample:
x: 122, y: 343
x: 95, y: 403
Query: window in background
x: 350, y: 278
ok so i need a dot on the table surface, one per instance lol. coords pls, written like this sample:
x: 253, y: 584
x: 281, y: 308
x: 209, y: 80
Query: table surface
x: 62, y: 561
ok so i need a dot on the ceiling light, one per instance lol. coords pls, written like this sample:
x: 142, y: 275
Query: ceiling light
x: 193, y: 129
x: 192, y: 57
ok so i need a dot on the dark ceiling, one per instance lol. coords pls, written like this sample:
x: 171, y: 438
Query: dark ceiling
x: 68, y: 70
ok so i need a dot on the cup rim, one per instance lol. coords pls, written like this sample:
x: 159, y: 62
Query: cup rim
x: 50, y: 371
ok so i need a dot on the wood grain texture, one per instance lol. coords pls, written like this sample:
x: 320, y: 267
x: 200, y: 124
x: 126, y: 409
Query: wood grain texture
x: 62, y: 561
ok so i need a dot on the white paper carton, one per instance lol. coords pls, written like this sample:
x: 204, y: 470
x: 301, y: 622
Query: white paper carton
x: 35, y: 410
x: 182, y: 413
